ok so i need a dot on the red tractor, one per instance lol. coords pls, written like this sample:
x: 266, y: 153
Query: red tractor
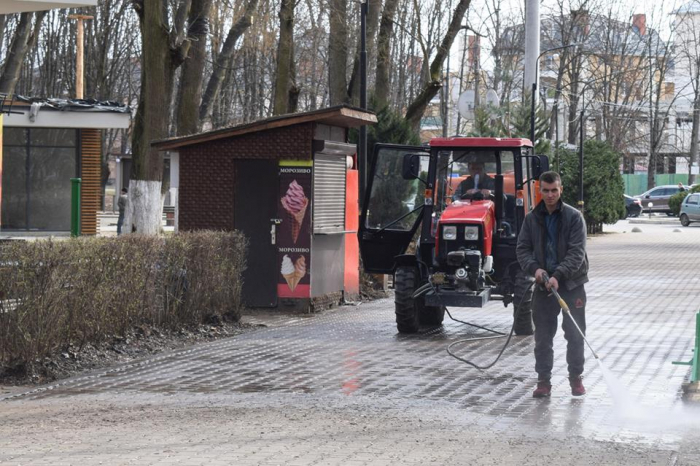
x: 458, y: 205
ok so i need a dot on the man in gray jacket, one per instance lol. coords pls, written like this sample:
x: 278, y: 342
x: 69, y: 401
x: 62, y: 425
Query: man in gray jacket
x: 553, y: 240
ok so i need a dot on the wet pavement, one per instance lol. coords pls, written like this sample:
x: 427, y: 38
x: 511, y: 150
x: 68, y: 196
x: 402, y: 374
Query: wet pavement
x: 642, y: 300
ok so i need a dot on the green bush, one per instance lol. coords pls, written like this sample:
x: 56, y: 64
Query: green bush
x: 674, y: 202
x: 54, y: 294
x: 603, y: 187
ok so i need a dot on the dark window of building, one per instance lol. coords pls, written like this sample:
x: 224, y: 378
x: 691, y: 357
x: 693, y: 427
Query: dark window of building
x: 37, y: 166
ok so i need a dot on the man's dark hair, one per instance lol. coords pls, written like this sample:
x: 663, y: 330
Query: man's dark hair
x: 550, y: 177
x: 124, y: 190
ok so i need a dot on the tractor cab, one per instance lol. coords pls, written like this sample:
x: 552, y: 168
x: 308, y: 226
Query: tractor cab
x: 444, y: 221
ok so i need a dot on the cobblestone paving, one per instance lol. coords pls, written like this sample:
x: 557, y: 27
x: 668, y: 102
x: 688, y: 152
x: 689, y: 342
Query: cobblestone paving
x: 641, y: 305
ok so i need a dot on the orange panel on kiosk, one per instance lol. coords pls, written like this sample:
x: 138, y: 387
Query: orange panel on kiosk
x: 352, y: 223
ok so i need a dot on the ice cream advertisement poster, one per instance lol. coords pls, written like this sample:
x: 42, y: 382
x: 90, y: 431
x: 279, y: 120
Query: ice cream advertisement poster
x: 294, y: 232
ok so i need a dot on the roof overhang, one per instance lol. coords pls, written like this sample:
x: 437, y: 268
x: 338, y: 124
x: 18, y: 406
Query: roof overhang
x: 85, y: 119
x: 20, y: 6
x: 343, y: 116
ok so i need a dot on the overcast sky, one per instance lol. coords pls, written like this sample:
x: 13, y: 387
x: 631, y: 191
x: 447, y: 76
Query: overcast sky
x: 657, y: 11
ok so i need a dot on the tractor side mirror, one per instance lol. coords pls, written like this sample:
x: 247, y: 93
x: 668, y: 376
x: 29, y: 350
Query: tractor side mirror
x: 499, y: 196
x: 539, y: 165
x: 411, y: 166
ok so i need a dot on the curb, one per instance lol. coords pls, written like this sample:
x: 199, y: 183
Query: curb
x: 660, y: 221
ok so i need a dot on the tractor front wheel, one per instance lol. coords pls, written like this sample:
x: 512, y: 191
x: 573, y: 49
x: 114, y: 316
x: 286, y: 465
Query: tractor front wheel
x: 412, y: 312
x: 431, y: 316
x: 407, y: 279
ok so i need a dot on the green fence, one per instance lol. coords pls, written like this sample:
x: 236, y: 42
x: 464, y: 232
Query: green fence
x: 637, y: 184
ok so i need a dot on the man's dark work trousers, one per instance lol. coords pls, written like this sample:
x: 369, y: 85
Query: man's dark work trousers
x: 545, y: 310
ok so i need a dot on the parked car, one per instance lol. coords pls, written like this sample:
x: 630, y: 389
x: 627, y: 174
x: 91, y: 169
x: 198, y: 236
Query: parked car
x: 658, y: 196
x: 690, y: 209
x: 633, y: 206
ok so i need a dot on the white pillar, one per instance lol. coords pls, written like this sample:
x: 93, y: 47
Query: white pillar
x: 532, y: 45
x: 175, y: 185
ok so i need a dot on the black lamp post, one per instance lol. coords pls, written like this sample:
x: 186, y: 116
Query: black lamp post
x: 582, y: 129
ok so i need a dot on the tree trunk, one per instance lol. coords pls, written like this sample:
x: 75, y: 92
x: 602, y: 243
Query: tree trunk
x: 694, y: 132
x: 417, y: 107
x: 338, y: 52
x: 285, y: 58
x: 373, y: 7
x: 223, y: 61
x: 190, y: 91
x: 386, y: 32
x: 17, y: 52
x: 161, y: 56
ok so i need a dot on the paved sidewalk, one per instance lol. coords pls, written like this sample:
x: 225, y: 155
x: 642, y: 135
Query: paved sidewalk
x: 344, y: 388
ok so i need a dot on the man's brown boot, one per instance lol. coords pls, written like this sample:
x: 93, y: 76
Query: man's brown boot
x: 577, y: 388
x: 543, y: 390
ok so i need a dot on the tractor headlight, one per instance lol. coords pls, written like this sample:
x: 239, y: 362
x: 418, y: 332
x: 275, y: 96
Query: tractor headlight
x: 449, y: 232
x: 471, y: 233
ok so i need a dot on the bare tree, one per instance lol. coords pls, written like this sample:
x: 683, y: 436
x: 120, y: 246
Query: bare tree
x: 373, y: 9
x: 386, y: 30
x: 192, y: 76
x: 687, y: 25
x: 338, y: 52
x: 285, y: 88
x: 23, y: 39
x: 432, y: 86
x: 165, y: 47
x: 224, y: 59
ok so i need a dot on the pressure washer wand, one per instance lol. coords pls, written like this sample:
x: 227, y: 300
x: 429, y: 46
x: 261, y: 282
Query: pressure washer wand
x: 567, y: 311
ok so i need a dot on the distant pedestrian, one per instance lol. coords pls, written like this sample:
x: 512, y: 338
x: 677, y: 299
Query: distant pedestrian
x: 680, y: 186
x: 121, y: 204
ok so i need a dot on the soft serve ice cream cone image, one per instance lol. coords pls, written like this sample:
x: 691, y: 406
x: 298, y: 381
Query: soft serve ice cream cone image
x: 289, y: 272
x: 300, y: 268
x: 295, y: 204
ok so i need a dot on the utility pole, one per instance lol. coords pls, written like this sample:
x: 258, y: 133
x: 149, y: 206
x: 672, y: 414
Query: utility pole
x: 79, y: 69
x: 651, y: 169
x: 532, y: 47
x: 477, y: 71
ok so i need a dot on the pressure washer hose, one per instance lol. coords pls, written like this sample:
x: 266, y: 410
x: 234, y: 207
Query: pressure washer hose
x: 501, y: 335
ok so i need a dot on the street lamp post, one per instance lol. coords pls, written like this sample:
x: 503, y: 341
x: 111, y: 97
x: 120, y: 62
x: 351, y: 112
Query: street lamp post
x: 534, y: 88
x: 582, y: 129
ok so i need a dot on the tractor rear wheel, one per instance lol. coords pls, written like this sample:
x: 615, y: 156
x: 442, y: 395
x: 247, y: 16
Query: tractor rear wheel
x: 407, y: 279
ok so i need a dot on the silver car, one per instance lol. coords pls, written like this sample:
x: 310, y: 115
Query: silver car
x: 690, y: 209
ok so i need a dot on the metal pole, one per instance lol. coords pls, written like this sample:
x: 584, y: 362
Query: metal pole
x: 532, y: 42
x: 651, y: 119
x: 532, y: 114
x: 362, y: 152
x: 477, y: 70
x: 580, y: 162
x: 75, y: 207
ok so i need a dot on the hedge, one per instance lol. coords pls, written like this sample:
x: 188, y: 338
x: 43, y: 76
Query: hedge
x: 54, y: 294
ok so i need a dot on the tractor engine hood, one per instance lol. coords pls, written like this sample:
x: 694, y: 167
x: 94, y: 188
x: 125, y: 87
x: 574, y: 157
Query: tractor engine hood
x: 481, y: 213
x: 468, y: 212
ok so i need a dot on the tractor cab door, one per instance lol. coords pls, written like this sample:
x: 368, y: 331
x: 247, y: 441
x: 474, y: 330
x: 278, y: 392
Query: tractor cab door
x: 393, y: 204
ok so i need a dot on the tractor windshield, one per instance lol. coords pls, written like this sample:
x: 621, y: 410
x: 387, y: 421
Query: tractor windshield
x: 469, y: 174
